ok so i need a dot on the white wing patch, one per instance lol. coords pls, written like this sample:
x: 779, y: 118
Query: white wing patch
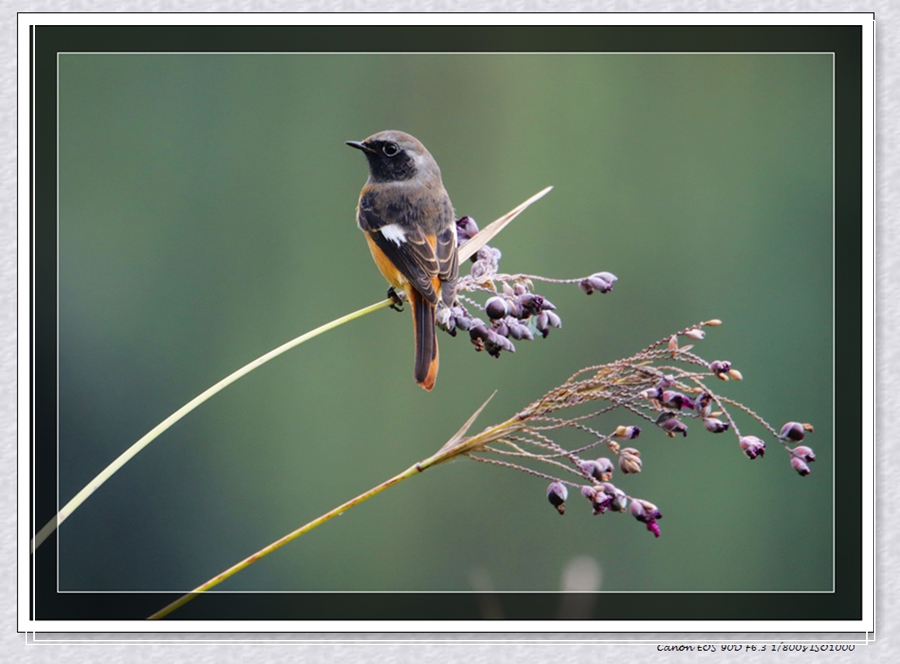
x: 394, y: 233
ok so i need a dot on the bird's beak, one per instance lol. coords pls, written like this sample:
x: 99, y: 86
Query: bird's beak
x: 359, y: 145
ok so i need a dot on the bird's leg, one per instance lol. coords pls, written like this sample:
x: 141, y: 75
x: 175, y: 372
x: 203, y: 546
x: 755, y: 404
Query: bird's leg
x: 397, y: 299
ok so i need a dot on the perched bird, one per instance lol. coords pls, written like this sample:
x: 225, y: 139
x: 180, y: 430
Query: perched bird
x: 408, y: 222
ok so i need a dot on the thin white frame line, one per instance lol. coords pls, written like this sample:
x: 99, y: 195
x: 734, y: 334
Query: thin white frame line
x: 31, y: 224
x: 460, y: 642
x: 449, y: 592
x: 453, y: 53
x: 496, y: 592
x: 834, y: 318
x: 873, y: 191
x: 58, y: 252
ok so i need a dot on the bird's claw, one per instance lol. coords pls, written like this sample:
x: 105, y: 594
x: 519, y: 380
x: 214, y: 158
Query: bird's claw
x: 397, y: 299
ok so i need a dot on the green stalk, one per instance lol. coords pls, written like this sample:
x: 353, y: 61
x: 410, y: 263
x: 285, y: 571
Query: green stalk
x: 151, y: 435
x: 464, y: 253
x: 234, y: 569
x: 456, y: 446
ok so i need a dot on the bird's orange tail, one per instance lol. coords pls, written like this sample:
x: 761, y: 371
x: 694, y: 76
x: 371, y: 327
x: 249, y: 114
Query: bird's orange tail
x: 426, y: 367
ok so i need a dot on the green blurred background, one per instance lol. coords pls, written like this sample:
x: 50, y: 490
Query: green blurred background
x: 207, y: 215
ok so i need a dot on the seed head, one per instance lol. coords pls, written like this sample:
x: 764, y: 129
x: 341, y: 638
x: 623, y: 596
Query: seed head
x: 800, y: 466
x: 793, y: 431
x: 627, y: 433
x: 804, y: 452
x: 673, y: 426
x: 601, y: 282
x: 646, y: 512
x: 496, y: 308
x: 601, y: 469
x: 676, y: 400
x: 703, y: 404
x: 752, y: 446
x: 629, y: 460
x: 557, y: 494
x: 720, y: 367
x: 714, y: 425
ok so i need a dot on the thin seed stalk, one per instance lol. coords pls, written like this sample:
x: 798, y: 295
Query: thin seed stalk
x: 277, y: 544
x: 484, y: 236
x: 446, y: 453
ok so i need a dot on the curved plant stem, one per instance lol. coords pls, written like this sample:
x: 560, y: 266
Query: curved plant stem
x: 234, y: 569
x: 123, y: 458
x: 465, y: 252
x: 455, y: 447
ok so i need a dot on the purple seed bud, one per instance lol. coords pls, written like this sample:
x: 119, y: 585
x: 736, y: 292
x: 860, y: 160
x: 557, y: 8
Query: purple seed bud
x: 513, y: 330
x: 804, y: 452
x: 495, y: 343
x: 752, y: 446
x: 557, y: 494
x: 674, y: 426
x: 714, y: 425
x: 531, y: 303
x: 464, y: 322
x: 467, y: 225
x: 492, y: 344
x: 606, y: 468
x: 666, y: 415
x: 637, y: 510
x: 501, y: 329
x: 628, y: 432
x: 547, y: 305
x: 601, y: 502
x: 619, y: 502
x: 651, y: 510
x: 600, y: 284
x: 793, y: 431
x: 703, y: 404
x: 590, y: 468
x: 489, y: 254
x: 602, y: 281
x: 518, y: 331
x: 553, y: 319
x: 720, y: 366
x: 479, y: 330
x: 517, y: 311
x: 519, y: 288
x: 800, y: 466
x: 542, y: 323
x: 496, y: 308
x: 676, y: 400
x: 646, y: 513
x: 666, y: 382
x: 601, y: 469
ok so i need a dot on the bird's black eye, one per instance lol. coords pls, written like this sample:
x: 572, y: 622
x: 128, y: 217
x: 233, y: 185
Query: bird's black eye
x: 391, y: 149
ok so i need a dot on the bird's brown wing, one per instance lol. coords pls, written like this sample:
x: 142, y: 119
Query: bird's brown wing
x: 413, y: 255
x: 448, y: 263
